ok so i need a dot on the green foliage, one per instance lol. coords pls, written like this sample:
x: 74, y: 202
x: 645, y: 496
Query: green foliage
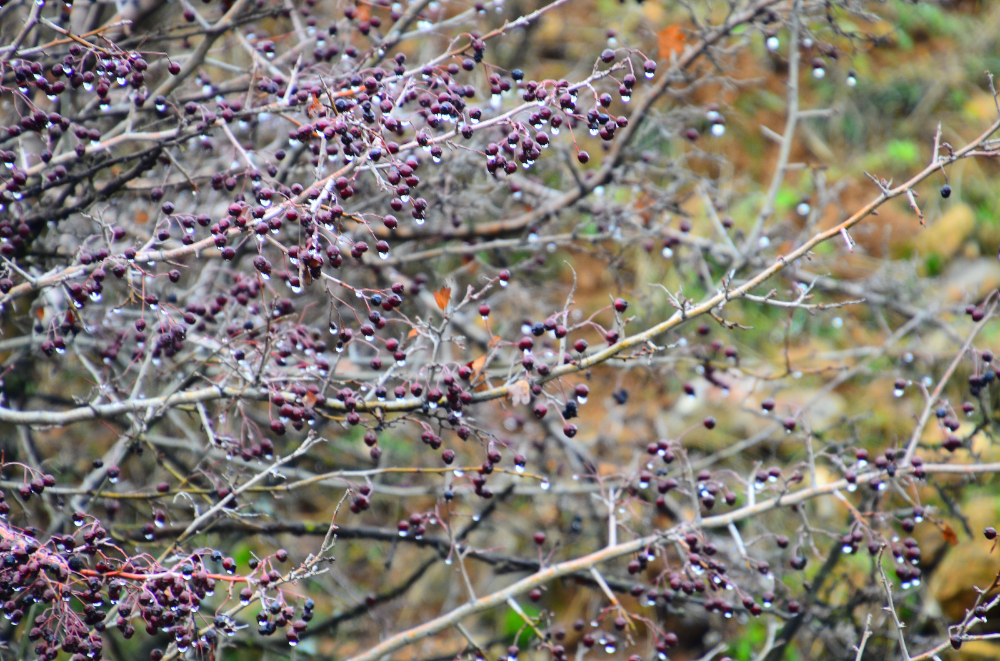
x: 515, y: 630
x: 896, y: 156
x: 934, y: 264
x: 925, y: 18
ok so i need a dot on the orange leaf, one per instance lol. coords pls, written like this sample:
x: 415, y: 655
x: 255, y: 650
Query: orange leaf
x: 477, y: 367
x: 141, y: 217
x: 494, y: 341
x: 314, y: 108
x: 948, y: 532
x: 412, y: 334
x: 442, y: 296
x: 670, y: 40
x: 519, y: 392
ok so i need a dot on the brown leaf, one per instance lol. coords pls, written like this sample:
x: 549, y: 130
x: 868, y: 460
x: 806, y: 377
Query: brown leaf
x: 442, y: 296
x: 477, y: 368
x: 670, y: 40
x: 141, y: 217
x: 948, y: 533
x: 519, y: 392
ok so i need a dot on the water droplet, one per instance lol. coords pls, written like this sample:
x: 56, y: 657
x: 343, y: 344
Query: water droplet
x: 626, y: 98
x: 819, y: 72
x: 545, y: 485
x: 772, y: 43
x: 459, y: 472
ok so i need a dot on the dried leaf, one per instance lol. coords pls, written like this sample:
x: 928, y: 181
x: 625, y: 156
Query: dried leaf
x: 442, y: 297
x: 477, y: 367
x: 519, y: 392
x: 314, y: 108
x: 670, y: 40
x: 948, y: 533
x: 141, y: 217
x: 412, y: 334
x: 494, y: 341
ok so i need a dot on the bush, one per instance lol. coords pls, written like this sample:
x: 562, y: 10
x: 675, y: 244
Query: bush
x: 490, y: 330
